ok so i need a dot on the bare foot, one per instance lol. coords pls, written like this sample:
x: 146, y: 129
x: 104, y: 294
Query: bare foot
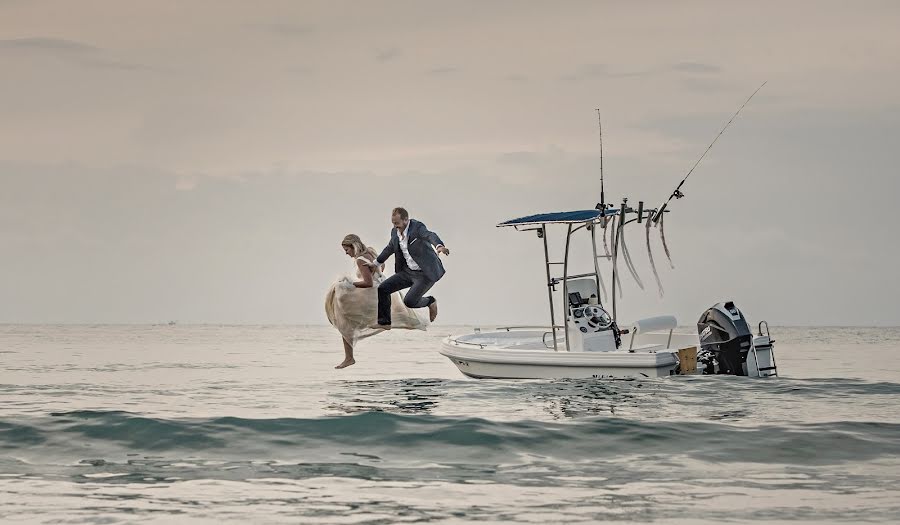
x: 432, y: 311
x: 346, y: 363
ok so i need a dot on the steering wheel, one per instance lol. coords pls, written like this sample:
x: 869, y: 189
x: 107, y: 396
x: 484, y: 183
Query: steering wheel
x: 598, y: 317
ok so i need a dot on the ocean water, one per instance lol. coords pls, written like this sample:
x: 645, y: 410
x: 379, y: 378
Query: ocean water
x: 251, y: 424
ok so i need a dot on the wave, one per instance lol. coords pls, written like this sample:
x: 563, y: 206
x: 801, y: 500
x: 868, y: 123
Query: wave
x: 428, y: 438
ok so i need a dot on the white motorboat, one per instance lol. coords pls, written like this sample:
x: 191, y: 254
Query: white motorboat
x: 591, y: 343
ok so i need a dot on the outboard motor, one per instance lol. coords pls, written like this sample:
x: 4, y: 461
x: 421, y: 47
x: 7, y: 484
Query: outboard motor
x: 725, y: 340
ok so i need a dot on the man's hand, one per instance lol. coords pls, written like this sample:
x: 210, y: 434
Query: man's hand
x: 443, y: 249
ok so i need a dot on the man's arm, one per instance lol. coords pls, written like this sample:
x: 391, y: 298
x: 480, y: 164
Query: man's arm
x: 386, y: 252
x: 433, y: 238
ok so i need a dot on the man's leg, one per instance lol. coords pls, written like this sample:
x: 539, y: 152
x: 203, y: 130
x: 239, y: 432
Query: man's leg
x: 394, y: 283
x: 414, y: 298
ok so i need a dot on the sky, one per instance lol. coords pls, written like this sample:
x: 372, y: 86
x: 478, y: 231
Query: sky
x: 201, y: 161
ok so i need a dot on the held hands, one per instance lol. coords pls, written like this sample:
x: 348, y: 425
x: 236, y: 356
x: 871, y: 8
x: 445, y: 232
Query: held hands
x: 348, y: 284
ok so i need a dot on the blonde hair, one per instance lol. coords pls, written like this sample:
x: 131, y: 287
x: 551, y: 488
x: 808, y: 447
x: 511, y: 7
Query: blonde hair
x: 357, y: 247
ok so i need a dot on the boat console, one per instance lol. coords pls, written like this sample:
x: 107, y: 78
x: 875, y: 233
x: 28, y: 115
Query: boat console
x: 593, y: 329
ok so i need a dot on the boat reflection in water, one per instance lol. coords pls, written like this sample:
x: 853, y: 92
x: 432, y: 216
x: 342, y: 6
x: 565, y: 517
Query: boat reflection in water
x: 403, y: 396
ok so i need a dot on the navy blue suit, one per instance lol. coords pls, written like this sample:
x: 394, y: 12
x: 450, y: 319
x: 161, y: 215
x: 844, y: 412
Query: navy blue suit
x: 420, y: 243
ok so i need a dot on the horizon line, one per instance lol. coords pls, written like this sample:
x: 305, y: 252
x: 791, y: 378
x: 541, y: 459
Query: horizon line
x: 480, y: 325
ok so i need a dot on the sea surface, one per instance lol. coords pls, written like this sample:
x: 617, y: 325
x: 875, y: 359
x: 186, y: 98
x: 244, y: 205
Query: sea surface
x: 251, y: 424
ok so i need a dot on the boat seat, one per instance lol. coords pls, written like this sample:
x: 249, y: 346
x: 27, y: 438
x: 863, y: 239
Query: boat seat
x: 652, y: 324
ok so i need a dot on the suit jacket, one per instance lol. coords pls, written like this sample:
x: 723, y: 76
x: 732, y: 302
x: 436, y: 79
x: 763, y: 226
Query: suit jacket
x: 420, y: 244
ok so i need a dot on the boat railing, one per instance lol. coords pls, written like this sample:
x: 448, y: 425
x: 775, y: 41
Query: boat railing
x: 544, y: 340
x: 546, y: 330
x: 529, y: 327
x: 458, y: 342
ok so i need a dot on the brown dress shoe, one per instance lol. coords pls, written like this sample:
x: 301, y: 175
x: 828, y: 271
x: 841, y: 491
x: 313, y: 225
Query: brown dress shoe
x: 432, y: 311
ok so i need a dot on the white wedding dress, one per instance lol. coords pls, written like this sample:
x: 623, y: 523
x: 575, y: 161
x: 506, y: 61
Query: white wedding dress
x: 353, y: 311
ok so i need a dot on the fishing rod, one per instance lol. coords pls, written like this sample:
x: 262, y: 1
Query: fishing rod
x: 677, y: 194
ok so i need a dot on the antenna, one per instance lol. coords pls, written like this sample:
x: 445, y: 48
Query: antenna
x: 602, y: 205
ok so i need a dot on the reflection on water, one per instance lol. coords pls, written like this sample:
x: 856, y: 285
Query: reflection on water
x: 405, y: 396
x: 564, y: 399
x: 558, y: 399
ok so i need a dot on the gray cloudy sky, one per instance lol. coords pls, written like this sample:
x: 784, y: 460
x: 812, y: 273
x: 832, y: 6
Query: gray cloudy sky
x: 201, y: 160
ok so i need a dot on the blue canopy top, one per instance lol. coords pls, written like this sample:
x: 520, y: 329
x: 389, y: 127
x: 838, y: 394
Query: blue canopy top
x: 561, y: 217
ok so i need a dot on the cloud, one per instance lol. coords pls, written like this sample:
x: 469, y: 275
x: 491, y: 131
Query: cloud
x: 696, y: 67
x: 114, y: 65
x: 286, y: 29
x: 49, y: 45
x: 185, y: 184
x: 442, y: 71
x: 513, y: 77
x: 386, y: 55
x: 587, y: 72
x: 708, y: 84
x: 593, y: 71
x: 75, y: 52
x: 301, y: 70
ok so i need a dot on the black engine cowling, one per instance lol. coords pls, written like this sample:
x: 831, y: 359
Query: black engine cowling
x: 725, y: 340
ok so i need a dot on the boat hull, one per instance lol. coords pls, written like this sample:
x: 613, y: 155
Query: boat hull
x: 510, y: 363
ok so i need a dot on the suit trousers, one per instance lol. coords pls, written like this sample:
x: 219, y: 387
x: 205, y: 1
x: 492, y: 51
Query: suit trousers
x: 417, y: 283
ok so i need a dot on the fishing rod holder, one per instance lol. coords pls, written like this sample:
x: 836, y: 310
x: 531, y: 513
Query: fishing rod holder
x: 589, y: 284
x: 642, y: 213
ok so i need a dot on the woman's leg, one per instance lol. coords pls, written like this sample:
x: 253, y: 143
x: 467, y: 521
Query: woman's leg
x: 348, y: 355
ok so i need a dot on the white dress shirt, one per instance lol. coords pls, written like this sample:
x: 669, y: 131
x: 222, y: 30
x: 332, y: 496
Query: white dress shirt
x: 404, y: 247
